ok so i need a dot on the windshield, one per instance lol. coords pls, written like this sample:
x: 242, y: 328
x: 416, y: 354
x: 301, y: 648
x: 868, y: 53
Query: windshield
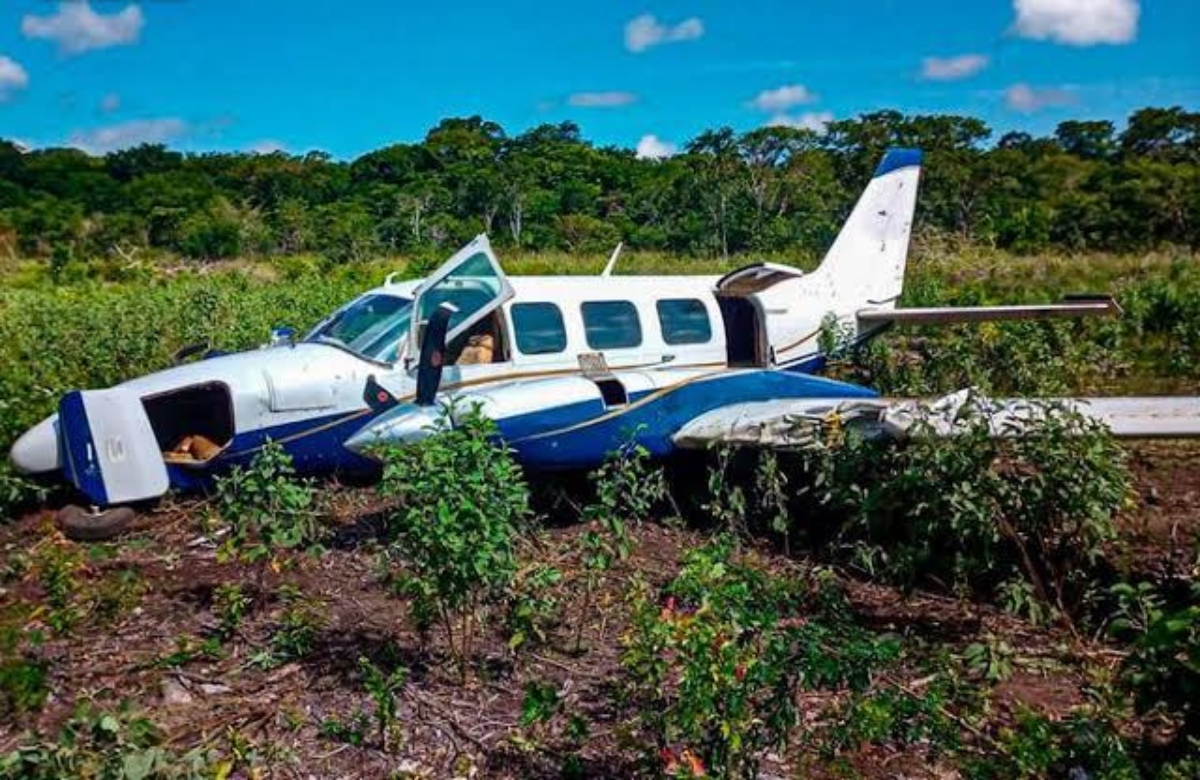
x: 373, y: 327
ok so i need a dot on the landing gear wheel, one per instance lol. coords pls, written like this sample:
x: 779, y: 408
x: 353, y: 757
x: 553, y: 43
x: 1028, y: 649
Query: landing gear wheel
x: 80, y: 525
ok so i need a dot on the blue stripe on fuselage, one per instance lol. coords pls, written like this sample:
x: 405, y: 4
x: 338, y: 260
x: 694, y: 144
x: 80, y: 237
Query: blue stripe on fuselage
x: 652, y: 420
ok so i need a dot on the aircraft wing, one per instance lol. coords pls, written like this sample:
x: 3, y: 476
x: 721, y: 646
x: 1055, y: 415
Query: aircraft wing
x: 1070, y: 307
x: 798, y: 423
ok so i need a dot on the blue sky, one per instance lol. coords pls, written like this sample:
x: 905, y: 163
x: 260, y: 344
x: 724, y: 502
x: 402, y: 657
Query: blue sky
x: 347, y: 77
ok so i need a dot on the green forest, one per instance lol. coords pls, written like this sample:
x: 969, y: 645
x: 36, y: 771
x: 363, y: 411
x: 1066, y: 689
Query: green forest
x: 1089, y: 186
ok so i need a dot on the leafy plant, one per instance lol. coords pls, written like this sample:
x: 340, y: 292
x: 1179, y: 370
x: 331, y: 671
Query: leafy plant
x: 715, y: 661
x: 990, y: 660
x: 299, y: 623
x: 532, y: 607
x: 461, y: 500
x: 970, y: 507
x: 23, y: 685
x: 58, y: 565
x: 268, y: 510
x: 383, y: 686
x: 100, y: 745
x: 1163, y: 671
x: 1086, y: 743
x: 230, y: 603
x: 727, y: 500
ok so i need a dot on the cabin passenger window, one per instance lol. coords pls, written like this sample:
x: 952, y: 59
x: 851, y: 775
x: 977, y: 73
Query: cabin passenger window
x: 611, y: 325
x: 539, y: 328
x: 684, y: 321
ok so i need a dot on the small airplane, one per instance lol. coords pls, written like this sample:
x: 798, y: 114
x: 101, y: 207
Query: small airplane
x: 568, y: 367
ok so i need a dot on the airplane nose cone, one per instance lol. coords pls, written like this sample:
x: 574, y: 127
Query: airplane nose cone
x: 36, y: 452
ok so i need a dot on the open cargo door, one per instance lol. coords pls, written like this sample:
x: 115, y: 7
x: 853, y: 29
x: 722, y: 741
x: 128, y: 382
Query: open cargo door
x: 109, y: 450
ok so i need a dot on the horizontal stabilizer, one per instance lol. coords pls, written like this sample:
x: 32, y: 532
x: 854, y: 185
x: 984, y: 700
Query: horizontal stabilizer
x: 1074, y: 307
x: 798, y: 423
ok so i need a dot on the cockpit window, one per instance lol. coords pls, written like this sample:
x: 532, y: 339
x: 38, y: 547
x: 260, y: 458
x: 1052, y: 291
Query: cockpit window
x: 373, y: 327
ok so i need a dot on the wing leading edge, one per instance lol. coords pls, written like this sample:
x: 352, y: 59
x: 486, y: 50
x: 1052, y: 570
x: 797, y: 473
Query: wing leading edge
x: 796, y: 424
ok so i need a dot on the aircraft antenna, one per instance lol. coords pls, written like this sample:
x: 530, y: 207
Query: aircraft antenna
x: 612, y: 260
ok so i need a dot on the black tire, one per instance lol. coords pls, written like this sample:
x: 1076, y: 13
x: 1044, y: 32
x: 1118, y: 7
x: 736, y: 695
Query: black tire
x: 80, y: 525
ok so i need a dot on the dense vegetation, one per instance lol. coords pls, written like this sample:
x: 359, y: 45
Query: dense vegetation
x: 729, y: 660
x: 770, y: 189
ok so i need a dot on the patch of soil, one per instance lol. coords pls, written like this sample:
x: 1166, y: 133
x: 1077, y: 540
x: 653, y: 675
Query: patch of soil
x: 290, y: 712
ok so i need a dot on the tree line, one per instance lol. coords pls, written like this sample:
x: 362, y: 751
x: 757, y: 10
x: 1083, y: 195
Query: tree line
x: 1088, y: 186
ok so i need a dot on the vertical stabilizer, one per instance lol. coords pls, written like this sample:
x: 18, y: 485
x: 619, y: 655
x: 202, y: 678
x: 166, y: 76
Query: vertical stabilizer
x: 865, y: 265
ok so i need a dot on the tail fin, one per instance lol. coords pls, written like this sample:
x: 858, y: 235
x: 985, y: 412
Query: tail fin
x: 865, y: 265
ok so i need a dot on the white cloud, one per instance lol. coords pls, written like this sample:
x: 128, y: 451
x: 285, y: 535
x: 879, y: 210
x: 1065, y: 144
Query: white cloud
x: 13, y: 77
x: 601, y: 99
x: 646, y: 31
x: 77, y: 28
x: 267, y: 146
x: 815, y: 121
x: 110, y: 103
x: 953, y: 68
x: 122, y: 135
x: 651, y: 147
x: 1078, y: 22
x: 1027, y: 99
x: 783, y: 98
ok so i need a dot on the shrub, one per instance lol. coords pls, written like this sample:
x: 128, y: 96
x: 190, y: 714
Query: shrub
x: 102, y: 745
x: 268, y: 511
x: 972, y: 509
x: 1086, y: 743
x: 267, y: 508
x: 1163, y: 671
x: 714, y: 662
x: 532, y: 606
x: 461, y: 500
x: 302, y: 618
x: 382, y: 687
x: 230, y: 604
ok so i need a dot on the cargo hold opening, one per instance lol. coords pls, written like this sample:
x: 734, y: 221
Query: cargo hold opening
x: 193, y: 424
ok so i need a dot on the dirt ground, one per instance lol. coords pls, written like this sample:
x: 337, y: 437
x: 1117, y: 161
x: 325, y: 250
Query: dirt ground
x: 449, y: 729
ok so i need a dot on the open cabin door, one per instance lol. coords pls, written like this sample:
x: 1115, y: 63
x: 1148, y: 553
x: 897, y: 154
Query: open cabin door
x: 472, y: 282
x: 746, y: 341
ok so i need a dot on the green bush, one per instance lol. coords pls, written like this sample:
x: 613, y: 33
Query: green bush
x: 715, y: 660
x: 461, y: 500
x: 972, y: 510
x: 98, y: 745
x: 1163, y: 672
x: 267, y: 508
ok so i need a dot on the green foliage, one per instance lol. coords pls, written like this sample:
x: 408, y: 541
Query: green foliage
x: 714, y: 664
x: 971, y: 508
x: 301, y: 621
x: 16, y: 492
x: 1163, y: 671
x: 267, y: 508
x: 893, y: 717
x: 726, y: 498
x: 230, y: 604
x: 532, y: 606
x: 98, y: 745
x: 461, y: 501
x: 351, y: 732
x: 540, y: 703
x: 382, y: 687
x: 58, y: 566
x: 23, y: 683
x: 1085, y: 743
x: 990, y: 660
